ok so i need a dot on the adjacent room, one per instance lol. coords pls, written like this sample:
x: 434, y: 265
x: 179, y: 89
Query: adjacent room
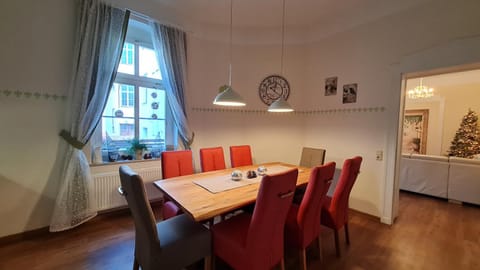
x: 440, y: 139
x: 227, y: 134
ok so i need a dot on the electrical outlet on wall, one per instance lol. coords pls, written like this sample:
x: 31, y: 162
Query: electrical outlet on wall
x: 379, y: 155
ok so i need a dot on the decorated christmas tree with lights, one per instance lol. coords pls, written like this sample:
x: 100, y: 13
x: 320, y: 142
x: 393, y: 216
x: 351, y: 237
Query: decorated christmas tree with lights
x: 466, y: 142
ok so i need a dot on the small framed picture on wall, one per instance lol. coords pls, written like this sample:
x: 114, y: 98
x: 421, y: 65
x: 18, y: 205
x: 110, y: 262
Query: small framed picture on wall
x: 331, y: 86
x: 350, y: 93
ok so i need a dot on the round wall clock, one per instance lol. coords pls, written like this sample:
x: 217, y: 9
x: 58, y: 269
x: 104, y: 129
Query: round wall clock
x: 272, y: 88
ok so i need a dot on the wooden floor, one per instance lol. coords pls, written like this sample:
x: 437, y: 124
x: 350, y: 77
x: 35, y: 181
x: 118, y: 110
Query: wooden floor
x: 429, y: 234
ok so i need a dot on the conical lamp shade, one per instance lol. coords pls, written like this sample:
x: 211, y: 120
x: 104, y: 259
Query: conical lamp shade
x: 280, y: 105
x: 228, y: 97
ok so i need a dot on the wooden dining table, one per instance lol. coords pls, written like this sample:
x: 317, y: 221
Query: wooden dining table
x: 203, y: 205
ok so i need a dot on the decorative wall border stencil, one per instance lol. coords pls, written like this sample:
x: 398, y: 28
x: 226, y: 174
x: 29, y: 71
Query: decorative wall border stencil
x: 198, y: 109
x: 35, y: 95
x: 379, y: 109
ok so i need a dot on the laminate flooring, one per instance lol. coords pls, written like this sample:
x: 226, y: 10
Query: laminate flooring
x: 429, y: 233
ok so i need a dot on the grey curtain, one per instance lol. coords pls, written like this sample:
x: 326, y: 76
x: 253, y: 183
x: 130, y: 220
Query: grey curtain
x: 170, y: 47
x: 101, y: 31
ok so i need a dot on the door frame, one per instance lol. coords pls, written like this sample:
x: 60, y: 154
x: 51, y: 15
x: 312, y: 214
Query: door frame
x: 456, y: 55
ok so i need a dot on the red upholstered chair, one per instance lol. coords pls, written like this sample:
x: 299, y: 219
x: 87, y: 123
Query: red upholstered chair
x: 212, y: 159
x: 255, y: 241
x: 335, y: 208
x: 303, y: 221
x: 175, y: 163
x: 240, y: 155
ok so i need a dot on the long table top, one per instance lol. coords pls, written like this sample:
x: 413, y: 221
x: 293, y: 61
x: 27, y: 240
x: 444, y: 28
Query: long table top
x: 203, y: 204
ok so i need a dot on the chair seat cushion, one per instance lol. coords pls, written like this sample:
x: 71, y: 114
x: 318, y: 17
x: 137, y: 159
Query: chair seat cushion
x: 229, y: 240
x: 170, y: 209
x: 181, y: 236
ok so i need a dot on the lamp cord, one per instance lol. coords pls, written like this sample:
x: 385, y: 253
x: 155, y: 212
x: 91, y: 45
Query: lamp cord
x: 283, y: 39
x: 230, y: 47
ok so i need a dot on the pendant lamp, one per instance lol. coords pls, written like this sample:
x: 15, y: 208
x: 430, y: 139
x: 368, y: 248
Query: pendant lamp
x: 281, y: 105
x: 226, y: 95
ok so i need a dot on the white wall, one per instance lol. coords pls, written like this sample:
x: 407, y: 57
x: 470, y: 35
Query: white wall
x: 436, y: 109
x: 451, y: 102
x: 273, y: 137
x: 35, y: 53
x: 374, y: 56
x: 368, y: 55
x: 36, y: 47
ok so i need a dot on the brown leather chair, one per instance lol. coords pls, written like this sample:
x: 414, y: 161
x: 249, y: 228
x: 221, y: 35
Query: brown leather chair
x: 312, y: 157
x: 170, y: 244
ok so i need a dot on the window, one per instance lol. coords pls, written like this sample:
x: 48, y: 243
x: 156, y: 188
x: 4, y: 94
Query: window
x: 127, y: 95
x: 127, y: 130
x: 136, y: 106
x: 127, y: 56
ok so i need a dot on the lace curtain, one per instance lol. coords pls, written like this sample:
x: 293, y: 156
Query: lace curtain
x: 170, y: 47
x: 101, y: 31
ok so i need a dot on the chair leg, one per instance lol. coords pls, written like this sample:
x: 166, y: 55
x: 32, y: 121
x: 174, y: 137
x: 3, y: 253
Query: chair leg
x: 303, y: 259
x: 136, y: 266
x: 320, y: 253
x: 210, y: 223
x: 347, y: 237
x: 208, y: 263
x: 282, y: 264
x: 337, y: 244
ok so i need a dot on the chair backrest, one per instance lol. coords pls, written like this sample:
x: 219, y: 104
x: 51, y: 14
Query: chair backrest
x: 339, y: 204
x: 309, y: 211
x: 212, y: 159
x: 240, y: 155
x: 177, y: 163
x: 312, y: 157
x: 266, y: 232
x: 145, y: 227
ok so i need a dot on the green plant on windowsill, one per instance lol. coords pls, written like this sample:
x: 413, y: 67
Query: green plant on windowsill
x: 137, y: 148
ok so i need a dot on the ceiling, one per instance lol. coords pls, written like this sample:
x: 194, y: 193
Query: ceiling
x: 300, y: 13
x: 448, y: 80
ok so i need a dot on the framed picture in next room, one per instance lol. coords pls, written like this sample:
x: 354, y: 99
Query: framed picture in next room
x: 415, y: 126
x: 350, y: 93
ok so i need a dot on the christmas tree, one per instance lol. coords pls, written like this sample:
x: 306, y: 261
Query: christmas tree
x: 466, y: 142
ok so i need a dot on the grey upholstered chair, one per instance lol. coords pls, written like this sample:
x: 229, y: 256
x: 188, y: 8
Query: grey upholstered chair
x: 312, y: 157
x: 170, y: 244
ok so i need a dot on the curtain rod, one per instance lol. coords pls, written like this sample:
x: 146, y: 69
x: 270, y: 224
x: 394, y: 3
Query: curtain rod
x: 146, y: 18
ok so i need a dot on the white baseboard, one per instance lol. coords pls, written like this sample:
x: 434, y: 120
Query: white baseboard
x: 386, y: 220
